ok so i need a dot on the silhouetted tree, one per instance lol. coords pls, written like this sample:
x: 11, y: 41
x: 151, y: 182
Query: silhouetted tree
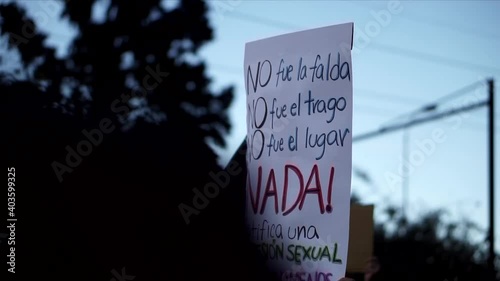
x: 430, y: 248
x: 108, y: 140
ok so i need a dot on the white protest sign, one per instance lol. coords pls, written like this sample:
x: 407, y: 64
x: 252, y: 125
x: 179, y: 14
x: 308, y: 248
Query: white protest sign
x: 299, y: 120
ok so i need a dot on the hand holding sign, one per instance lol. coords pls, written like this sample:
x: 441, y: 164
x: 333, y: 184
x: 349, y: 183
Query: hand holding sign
x: 299, y: 120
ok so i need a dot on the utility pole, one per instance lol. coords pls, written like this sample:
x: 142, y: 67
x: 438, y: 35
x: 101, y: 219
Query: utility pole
x: 490, y: 103
x: 491, y: 152
x: 417, y: 121
x: 405, y: 183
x: 413, y: 122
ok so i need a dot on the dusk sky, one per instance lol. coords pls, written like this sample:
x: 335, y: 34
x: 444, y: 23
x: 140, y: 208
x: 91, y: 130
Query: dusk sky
x: 406, y: 55
x: 423, y: 52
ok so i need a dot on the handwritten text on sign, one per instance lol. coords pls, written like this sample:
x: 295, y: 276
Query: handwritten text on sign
x: 299, y: 120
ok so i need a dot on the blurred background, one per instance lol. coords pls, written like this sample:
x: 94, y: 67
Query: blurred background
x: 403, y: 62
x: 111, y: 103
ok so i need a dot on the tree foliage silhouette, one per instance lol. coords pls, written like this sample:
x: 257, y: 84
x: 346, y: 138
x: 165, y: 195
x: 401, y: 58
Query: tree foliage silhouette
x: 115, y: 194
x: 117, y: 206
x: 432, y: 247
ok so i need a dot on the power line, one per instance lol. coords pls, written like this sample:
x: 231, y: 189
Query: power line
x: 434, y: 105
x: 381, y: 47
x: 234, y: 70
x: 371, y: 110
x: 432, y: 58
x: 459, y: 92
x: 436, y: 22
x: 375, y: 94
x: 262, y: 20
x: 414, y: 122
x: 462, y: 29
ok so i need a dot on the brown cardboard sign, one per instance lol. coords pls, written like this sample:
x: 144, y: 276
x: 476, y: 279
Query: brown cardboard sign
x: 360, y: 237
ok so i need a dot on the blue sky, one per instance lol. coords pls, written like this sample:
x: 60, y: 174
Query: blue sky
x: 426, y: 51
